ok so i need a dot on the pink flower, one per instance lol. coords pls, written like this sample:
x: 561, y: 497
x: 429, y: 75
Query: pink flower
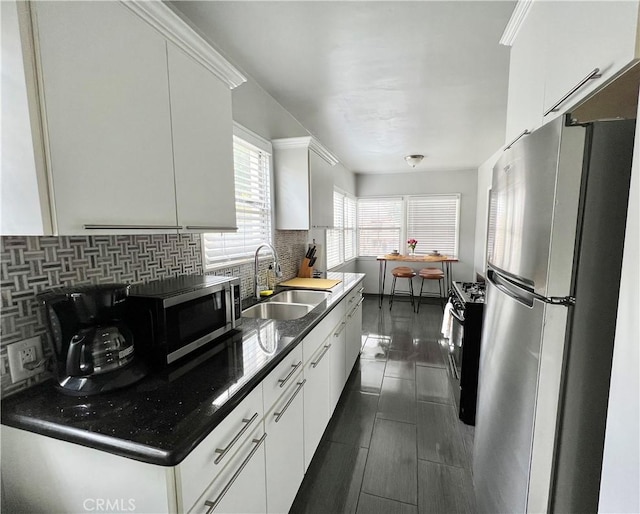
x: 412, y: 242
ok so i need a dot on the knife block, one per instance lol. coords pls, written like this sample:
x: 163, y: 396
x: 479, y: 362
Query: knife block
x: 305, y: 270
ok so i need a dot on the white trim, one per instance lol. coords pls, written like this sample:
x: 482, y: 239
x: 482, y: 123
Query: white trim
x: 515, y: 22
x: 262, y: 144
x: 175, y: 29
x: 306, y: 142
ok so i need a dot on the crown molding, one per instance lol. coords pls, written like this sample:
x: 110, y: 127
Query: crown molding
x: 515, y: 22
x: 306, y: 142
x: 175, y: 29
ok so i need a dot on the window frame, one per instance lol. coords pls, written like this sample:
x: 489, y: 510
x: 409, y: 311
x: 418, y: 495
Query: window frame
x: 342, y: 230
x: 404, y: 220
x: 250, y: 138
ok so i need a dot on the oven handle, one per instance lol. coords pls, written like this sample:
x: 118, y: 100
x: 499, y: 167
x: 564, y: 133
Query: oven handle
x: 457, y: 316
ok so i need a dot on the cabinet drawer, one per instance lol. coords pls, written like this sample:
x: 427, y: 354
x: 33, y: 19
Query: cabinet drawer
x: 241, y: 486
x: 213, y: 454
x: 279, y: 380
x: 316, y: 337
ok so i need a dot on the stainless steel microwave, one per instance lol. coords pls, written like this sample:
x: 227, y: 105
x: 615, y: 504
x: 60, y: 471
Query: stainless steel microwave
x: 173, y: 317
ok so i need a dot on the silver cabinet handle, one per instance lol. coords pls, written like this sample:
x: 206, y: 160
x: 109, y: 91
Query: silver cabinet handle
x: 212, y: 228
x: 300, y: 385
x: 355, y: 308
x: 361, y: 290
x: 525, y: 132
x: 213, y: 504
x: 326, y: 349
x: 283, y: 381
x: 339, y: 331
x: 594, y: 74
x: 224, y: 451
x: 132, y: 227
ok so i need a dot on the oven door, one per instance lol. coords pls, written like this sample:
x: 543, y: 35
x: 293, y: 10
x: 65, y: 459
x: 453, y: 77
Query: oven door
x: 455, y: 351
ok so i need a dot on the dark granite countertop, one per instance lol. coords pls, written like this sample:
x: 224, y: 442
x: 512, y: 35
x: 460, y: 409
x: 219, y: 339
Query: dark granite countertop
x: 162, y: 418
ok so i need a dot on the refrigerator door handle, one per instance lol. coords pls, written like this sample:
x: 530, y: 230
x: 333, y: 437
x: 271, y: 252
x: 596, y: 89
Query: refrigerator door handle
x: 523, y: 296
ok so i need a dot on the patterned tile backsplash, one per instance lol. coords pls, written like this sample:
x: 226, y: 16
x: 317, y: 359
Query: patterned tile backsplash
x: 30, y: 265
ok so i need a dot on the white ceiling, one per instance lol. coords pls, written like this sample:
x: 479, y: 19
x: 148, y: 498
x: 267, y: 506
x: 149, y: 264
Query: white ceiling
x: 375, y: 81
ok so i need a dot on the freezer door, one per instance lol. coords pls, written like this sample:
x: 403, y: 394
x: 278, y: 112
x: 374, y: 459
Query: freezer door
x: 511, y: 342
x: 534, y: 204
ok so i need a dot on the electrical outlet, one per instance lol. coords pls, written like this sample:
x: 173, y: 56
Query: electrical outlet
x: 24, y: 352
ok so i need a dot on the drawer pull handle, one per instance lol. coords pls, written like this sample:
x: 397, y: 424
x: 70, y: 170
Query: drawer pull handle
x: 132, y: 227
x: 525, y: 132
x: 326, y: 349
x: 355, y: 308
x: 339, y: 331
x: 594, y: 74
x: 284, y: 380
x: 212, y: 228
x: 213, y: 504
x: 278, y: 415
x: 224, y: 451
x: 361, y: 290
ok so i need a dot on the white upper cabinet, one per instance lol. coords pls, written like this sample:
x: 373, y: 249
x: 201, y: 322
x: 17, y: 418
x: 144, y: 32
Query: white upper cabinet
x: 583, y: 36
x: 303, y: 184
x: 526, y: 83
x: 135, y: 126
x: 202, y: 145
x: 558, y: 45
x: 106, y: 105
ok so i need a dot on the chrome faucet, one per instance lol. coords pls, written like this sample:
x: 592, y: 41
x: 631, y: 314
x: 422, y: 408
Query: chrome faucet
x: 276, y: 265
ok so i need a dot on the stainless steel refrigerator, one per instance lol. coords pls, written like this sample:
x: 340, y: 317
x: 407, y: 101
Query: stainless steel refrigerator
x: 556, y: 231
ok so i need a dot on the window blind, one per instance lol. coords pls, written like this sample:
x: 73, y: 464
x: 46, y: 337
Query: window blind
x: 335, y: 245
x: 253, y: 209
x: 433, y: 220
x: 349, y: 233
x: 379, y: 225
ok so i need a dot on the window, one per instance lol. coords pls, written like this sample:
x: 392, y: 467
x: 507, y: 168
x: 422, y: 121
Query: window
x: 433, y: 221
x: 379, y: 225
x: 341, y: 242
x: 385, y: 224
x: 251, y: 159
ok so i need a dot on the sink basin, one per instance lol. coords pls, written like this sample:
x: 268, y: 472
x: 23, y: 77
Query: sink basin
x: 300, y: 296
x: 277, y: 310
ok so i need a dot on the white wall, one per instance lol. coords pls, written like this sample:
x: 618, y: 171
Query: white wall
x: 619, y: 491
x: 428, y: 182
x: 485, y: 172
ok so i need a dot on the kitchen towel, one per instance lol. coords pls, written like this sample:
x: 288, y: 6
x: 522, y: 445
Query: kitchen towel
x: 447, y: 320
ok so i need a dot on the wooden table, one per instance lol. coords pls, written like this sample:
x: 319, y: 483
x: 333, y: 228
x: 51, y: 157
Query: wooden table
x: 382, y: 259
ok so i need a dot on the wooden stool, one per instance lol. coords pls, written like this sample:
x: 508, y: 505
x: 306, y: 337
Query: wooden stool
x: 402, y: 272
x: 431, y: 274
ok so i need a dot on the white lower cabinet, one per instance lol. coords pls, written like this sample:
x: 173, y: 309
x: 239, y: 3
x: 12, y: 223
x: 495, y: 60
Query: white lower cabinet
x: 253, y: 461
x: 337, y: 364
x: 241, y: 486
x: 353, y: 334
x: 285, y: 448
x: 316, y: 399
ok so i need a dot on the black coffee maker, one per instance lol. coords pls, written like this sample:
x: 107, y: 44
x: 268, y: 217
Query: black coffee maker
x: 92, y: 343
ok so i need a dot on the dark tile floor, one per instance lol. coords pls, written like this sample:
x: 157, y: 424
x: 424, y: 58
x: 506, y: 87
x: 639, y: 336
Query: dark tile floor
x: 394, y: 443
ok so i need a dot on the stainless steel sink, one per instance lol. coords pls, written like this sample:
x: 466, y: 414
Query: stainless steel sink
x: 300, y: 296
x: 277, y: 310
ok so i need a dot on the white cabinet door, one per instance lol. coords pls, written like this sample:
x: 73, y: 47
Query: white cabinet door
x: 337, y: 359
x: 316, y: 399
x: 285, y: 448
x: 202, y: 130
x: 291, y: 181
x: 321, y: 175
x: 526, y: 81
x: 582, y: 36
x: 354, y: 335
x: 106, y: 106
x: 241, y: 487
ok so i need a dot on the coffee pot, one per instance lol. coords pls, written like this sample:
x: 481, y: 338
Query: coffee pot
x: 93, y: 345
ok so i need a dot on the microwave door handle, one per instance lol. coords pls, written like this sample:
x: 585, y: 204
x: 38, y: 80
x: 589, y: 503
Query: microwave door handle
x: 229, y: 307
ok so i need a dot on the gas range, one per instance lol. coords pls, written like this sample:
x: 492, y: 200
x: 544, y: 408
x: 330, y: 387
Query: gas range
x: 469, y: 292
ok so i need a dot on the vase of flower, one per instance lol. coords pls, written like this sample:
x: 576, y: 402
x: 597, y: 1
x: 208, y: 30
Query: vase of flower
x: 412, y: 246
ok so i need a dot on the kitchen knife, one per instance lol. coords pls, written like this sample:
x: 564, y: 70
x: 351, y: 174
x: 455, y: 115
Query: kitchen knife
x: 313, y: 252
x: 312, y: 262
x: 308, y: 254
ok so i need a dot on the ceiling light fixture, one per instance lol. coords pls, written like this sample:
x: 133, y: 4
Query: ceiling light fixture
x: 413, y: 160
